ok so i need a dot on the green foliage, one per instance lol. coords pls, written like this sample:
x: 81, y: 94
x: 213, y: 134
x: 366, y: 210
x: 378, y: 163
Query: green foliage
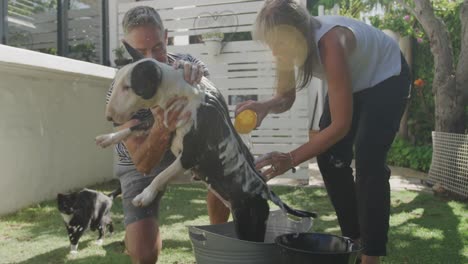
x: 421, y: 113
x: 421, y: 105
x: 353, y: 8
x: 41, y: 6
x: 421, y: 119
x: 119, y: 52
x: 312, y: 5
x: 52, y: 51
x: 238, y: 36
x: 405, y: 154
x: 398, y: 20
x: 449, y: 12
x: 213, y: 35
x: 31, y: 7
x: 83, y: 51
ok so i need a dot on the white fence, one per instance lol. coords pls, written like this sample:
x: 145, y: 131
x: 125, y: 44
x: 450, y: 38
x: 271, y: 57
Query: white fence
x: 243, y: 69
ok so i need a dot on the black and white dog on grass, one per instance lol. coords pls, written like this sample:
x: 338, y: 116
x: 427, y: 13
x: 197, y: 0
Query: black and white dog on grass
x: 207, y: 144
x: 86, y: 209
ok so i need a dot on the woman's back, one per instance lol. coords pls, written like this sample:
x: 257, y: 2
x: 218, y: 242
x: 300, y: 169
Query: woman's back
x: 375, y: 57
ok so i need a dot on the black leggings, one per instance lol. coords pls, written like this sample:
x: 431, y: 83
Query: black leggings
x: 363, y: 206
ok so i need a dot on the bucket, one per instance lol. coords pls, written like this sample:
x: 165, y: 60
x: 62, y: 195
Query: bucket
x: 215, y: 244
x: 310, y: 248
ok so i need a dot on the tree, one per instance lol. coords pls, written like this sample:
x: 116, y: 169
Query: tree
x: 450, y: 84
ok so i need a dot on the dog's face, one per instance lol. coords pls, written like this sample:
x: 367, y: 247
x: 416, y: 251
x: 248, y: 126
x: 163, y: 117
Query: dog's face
x: 65, y: 202
x: 134, y: 85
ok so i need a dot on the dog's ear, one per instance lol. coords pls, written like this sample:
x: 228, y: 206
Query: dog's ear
x: 136, y: 55
x: 145, y: 79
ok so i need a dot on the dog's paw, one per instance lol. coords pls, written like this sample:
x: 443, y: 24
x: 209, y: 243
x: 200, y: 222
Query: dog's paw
x: 99, y: 242
x: 112, y: 138
x: 104, y: 141
x: 73, y: 249
x: 144, y: 198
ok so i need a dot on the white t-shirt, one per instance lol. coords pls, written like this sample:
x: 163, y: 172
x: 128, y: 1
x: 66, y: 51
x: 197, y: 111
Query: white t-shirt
x: 375, y: 58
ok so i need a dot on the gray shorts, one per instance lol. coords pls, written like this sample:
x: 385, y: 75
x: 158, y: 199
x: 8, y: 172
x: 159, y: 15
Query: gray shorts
x: 133, y: 183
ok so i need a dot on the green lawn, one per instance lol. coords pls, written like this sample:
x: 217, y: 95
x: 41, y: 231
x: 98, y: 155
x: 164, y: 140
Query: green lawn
x: 424, y: 228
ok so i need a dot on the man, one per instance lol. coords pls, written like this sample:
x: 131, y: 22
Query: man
x: 141, y: 158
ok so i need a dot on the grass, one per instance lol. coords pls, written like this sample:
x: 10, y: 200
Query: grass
x: 423, y: 228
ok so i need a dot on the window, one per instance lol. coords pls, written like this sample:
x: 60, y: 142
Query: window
x: 85, y: 34
x: 72, y: 28
x: 32, y: 24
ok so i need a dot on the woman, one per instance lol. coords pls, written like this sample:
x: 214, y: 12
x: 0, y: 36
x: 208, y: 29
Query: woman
x: 368, y: 86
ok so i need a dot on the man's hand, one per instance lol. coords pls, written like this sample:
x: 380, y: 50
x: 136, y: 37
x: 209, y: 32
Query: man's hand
x: 147, y: 151
x: 193, y: 73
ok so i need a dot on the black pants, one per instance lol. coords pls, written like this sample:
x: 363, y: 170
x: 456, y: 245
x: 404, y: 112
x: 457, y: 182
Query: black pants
x: 363, y: 205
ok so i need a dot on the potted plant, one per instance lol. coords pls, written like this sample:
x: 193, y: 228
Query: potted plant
x: 120, y: 59
x: 213, y: 41
x: 83, y: 51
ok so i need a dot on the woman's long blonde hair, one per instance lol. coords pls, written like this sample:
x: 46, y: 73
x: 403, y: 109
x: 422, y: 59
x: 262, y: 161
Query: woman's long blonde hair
x: 289, y: 13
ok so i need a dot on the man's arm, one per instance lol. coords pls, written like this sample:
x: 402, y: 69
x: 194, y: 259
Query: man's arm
x: 146, y: 151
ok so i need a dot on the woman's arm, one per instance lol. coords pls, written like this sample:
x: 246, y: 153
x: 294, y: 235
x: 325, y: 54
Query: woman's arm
x: 281, y: 102
x: 333, y: 52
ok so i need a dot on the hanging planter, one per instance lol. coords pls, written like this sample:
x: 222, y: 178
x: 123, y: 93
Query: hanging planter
x: 213, y: 42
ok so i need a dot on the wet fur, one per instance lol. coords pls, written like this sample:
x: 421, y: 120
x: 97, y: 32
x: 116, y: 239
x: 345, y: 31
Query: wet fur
x: 207, y: 144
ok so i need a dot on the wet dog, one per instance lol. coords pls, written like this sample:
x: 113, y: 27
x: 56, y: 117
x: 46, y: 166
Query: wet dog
x: 86, y: 209
x: 207, y: 144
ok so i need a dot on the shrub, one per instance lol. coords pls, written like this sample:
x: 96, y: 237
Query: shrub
x: 405, y: 154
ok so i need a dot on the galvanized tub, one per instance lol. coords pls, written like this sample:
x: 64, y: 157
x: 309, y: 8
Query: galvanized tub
x: 215, y: 244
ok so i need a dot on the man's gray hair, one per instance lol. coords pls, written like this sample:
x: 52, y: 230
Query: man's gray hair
x: 140, y: 16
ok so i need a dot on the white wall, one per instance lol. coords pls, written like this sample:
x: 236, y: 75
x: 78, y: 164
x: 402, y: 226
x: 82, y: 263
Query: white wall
x: 51, y: 108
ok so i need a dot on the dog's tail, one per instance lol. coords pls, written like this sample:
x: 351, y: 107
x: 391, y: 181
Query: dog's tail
x: 115, y: 193
x: 299, y: 213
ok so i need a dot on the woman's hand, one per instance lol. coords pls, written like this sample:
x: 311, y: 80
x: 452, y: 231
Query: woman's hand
x: 259, y: 108
x: 193, y: 73
x: 279, y: 162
